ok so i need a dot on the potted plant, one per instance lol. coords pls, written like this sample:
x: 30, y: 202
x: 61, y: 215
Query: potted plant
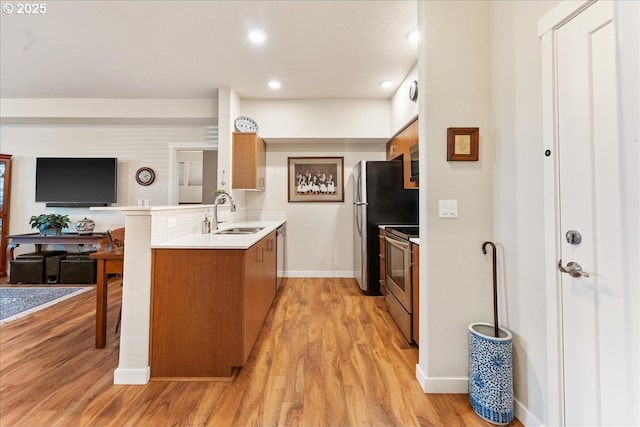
x: 49, y: 224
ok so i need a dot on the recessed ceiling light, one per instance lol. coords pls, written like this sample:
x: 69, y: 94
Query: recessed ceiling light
x: 413, y: 36
x: 257, y: 36
x: 387, y: 83
x: 274, y: 84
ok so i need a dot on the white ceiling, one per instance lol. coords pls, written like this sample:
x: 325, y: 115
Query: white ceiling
x: 187, y: 49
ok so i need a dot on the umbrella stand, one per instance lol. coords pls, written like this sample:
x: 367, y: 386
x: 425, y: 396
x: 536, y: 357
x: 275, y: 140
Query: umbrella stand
x: 490, y: 364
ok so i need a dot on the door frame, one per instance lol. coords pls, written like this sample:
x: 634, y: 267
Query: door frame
x: 174, y: 148
x: 547, y: 27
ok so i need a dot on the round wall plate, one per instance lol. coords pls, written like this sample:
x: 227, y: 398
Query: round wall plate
x: 245, y: 124
x: 145, y: 176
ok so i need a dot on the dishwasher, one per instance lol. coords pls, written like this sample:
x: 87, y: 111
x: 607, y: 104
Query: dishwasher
x: 281, y: 233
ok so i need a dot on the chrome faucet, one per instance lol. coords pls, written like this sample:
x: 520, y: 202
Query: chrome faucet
x: 215, y: 207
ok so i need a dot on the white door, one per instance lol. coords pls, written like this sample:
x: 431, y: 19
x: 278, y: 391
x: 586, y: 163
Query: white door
x: 595, y: 302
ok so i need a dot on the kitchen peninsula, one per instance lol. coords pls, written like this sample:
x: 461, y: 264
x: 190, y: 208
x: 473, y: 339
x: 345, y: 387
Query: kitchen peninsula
x: 177, y: 230
x: 210, y: 296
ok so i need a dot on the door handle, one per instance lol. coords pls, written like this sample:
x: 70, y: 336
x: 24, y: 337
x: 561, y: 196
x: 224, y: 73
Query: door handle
x: 573, y: 268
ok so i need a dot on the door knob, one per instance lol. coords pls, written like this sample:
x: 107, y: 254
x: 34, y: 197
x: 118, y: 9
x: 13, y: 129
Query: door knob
x: 573, y: 268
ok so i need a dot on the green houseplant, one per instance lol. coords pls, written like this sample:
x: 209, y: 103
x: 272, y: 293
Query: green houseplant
x: 49, y: 224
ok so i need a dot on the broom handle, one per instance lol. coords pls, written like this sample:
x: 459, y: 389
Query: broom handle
x: 495, y: 288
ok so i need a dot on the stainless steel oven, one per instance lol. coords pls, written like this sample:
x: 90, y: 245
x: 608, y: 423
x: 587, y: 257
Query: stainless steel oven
x: 398, y: 276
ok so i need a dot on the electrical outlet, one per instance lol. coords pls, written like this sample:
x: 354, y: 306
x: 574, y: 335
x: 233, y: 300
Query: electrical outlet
x: 171, y: 222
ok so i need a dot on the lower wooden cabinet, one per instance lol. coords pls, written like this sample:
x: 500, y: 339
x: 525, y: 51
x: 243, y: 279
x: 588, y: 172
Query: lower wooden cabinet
x: 415, y: 288
x: 208, y: 307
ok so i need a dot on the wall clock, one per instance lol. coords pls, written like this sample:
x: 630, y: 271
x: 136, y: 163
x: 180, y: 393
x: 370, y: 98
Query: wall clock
x: 413, y: 91
x: 145, y: 176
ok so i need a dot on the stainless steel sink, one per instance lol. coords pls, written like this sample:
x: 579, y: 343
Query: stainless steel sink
x: 240, y: 230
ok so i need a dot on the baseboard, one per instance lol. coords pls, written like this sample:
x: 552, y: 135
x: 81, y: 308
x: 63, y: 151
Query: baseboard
x: 524, y: 416
x: 348, y: 274
x: 131, y: 376
x: 461, y: 385
x: 442, y: 384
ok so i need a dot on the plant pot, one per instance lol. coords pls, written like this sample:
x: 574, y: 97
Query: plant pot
x: 51, y: 232
x: 491, y: 373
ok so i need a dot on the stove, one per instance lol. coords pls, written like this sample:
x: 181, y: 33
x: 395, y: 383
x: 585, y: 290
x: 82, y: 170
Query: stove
x: 403, y: 232
x: 399, y: 295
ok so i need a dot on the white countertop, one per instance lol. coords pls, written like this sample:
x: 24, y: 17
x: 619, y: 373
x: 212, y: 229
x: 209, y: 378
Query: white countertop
x: 222, y: 241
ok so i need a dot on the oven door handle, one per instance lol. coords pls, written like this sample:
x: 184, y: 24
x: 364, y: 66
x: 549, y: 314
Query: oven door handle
x: 398, y: 243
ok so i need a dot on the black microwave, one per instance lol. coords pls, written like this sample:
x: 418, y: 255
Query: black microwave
x: 413, y: 163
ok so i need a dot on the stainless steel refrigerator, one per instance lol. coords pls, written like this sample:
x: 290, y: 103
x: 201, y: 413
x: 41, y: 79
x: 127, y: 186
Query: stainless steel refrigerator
x: 379, y: 199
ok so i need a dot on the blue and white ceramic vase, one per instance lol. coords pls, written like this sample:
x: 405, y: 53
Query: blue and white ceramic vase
x: 491, y: 373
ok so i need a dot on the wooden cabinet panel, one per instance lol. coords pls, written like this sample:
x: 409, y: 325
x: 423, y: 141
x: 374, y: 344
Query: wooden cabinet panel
x: 208, y: 307
x: 249, y: 162
x: 5, y: 187
x: 196, y: 306
x: 400, y: 146
x: 415, y: 288
x: 383, y: 276
x: 259, y: 289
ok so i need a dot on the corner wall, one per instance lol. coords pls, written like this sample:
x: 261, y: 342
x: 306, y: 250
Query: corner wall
x: 519, y: 204
x: 455, y: 277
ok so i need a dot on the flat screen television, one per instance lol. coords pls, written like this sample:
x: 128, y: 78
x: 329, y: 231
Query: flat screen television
x: 76, y: 181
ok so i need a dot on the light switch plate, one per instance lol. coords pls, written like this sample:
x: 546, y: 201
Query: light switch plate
x: 448, y: 208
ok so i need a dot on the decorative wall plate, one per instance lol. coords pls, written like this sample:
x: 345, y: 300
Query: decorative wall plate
x: 245, y: 124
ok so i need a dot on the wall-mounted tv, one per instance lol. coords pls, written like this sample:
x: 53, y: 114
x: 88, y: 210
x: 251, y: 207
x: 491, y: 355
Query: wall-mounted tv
x: 76, y: 181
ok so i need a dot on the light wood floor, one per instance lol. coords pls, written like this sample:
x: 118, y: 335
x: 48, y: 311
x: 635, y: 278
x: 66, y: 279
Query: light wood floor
x: 327, y: 356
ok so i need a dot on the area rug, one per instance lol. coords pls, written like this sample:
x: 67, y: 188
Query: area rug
x: 19, y: 302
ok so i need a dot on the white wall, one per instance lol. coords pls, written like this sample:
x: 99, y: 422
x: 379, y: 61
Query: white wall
x: 518, y: 193
x: 134, y: 146
x: 403, y: 110
x: 455, y: 277
x: 320, y: 120
x: 320, y: 235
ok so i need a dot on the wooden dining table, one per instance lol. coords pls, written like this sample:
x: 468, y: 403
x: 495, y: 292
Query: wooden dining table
x: 109, y: 262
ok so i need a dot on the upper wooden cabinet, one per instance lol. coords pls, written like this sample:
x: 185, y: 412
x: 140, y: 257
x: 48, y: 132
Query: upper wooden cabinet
x: 400, y: 145
x: 249, y: 159
x: 5, y: 186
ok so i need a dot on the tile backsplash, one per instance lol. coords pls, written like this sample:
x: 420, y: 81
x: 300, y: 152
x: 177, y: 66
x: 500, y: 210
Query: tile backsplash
x: 172, y: 224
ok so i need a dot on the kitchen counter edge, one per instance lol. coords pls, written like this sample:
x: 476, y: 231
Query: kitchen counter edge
x: 223, y: 241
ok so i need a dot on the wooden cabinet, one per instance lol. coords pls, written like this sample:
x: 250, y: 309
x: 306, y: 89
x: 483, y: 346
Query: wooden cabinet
x: 415, y: 288
x: 208, y: 307
x: 249, y: 160
x: 5, y: 187
x: 259, y: 289
x: 400, y: 145
x: 383, y: 275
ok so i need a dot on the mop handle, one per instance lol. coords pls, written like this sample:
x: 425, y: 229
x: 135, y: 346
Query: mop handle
x: 495, y: 288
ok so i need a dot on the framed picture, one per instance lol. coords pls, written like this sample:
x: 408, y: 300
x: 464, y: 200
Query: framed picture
x: 462, y: 144
x: 316, y: 179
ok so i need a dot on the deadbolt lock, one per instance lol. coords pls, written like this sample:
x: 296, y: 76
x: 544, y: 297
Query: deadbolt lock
x: 573, y: 237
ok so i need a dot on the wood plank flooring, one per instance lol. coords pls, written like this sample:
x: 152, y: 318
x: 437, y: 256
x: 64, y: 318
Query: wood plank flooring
x: 327, y: 356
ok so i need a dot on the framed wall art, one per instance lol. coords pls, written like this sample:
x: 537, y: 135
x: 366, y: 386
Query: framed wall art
x: 316, y: 179
x: 462, y: 144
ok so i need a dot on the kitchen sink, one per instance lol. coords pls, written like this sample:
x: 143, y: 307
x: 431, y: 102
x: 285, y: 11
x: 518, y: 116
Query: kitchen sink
x: 240, y: 230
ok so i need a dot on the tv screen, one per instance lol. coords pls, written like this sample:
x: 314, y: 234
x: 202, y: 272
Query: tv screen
x: 76, y: 181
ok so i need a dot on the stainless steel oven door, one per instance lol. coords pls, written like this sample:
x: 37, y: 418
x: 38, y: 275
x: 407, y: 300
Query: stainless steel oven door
x: 398, y: 270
